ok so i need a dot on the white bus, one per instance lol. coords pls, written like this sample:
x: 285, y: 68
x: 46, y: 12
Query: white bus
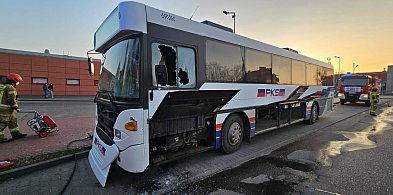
x: 170, y: 86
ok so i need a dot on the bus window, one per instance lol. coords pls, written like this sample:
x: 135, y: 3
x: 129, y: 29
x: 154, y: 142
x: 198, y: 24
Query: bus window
x: 179, y: 62
x: 258, y: 67
x: 224, y: 62
x: 327, y: 77
x: 281, y: 70
x: 186, y: 67
x: 320, y: 75
x: 311, y: 74
x: 298, y: 72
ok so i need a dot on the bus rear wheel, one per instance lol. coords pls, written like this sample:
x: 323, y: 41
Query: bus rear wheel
x: 232, y: 134
x: 314, y: 114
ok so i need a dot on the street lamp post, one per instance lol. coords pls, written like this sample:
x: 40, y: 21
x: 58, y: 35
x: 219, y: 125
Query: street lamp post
x: 339, y: 69
x: 353, y: 67
x: 234, y: 19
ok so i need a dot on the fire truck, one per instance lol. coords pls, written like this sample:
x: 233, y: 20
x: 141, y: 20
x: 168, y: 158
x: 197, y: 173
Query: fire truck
x: 357, y: 87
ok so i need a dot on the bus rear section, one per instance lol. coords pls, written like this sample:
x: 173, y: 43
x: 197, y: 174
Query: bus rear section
x: 356, y: 88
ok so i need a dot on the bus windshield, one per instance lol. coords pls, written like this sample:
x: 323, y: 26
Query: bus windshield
x: 121, y: 72
x: 353, y: 81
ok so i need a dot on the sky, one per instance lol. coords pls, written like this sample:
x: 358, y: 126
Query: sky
x: 358, y: 31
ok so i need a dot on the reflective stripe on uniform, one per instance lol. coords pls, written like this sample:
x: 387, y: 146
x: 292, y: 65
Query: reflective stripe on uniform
x: 5, y: 106
x: 13, y: 130
x: 2, y: 89
x: 12, y: 93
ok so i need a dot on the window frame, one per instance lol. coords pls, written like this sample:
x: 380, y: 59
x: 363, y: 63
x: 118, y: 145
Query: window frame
x: 176, y: 45
x: 242, y: 55
x: 290, y: 69
x: 39, y: 83
x: 79, y: 82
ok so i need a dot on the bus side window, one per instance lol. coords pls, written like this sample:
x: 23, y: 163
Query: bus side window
x: 164, y: 55
x: 179, y: 62
x: 170, y: 61
x: 186, y: 67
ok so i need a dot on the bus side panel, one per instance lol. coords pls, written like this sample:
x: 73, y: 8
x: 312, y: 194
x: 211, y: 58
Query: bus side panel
x: 133, y: 145
x: 251, y: 119
x: 326, y: 101
x: 308, y: 110
x: 219, y: 123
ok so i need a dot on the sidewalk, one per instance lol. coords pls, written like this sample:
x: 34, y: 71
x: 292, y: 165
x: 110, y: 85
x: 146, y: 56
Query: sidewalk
x: 56, y: 98
x: 74, y: 118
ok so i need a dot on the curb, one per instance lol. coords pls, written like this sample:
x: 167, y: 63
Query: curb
x: 13, y: 173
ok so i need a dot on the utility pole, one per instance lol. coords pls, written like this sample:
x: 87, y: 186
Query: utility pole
x: 353, y: 67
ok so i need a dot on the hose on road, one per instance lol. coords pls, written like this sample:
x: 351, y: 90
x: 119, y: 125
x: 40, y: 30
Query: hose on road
x: 89, y: 136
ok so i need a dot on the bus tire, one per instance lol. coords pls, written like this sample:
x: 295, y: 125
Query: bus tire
x: 314, y: 114
x: 368, y: 103
x: 342, y: 102
x: 232, y: 134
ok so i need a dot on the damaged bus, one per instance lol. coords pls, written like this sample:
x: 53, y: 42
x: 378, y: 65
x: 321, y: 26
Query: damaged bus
x: 171, y: 86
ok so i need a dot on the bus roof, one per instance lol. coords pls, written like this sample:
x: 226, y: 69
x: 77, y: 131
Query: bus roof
x: 135, y: 20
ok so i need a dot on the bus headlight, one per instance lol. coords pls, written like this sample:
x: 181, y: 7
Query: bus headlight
x: 341, y: 95
x: 132, y: 125
x: 118, y: 133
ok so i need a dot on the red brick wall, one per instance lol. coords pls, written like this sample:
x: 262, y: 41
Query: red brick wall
x: 56, y: 70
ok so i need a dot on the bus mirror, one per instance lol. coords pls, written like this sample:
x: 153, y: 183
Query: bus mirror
x: 161, y: 75
x: 91, y: 66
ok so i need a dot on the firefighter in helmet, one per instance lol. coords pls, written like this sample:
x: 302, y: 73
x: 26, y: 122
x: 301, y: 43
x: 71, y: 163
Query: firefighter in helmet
x: 9, y: 106
x: 374, y: 99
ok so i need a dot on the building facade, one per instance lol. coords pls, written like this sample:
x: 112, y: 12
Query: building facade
x: 389, y: 80
x: 68, y: 74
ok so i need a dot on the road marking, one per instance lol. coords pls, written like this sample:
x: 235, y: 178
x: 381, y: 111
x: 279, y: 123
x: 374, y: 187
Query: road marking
x: 324, y: 191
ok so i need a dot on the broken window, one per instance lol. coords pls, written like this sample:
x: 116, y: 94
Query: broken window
x: 179, y: 63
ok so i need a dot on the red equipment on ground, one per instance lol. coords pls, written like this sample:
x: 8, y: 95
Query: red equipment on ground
x: 6, y: 163
x: 42, y: 124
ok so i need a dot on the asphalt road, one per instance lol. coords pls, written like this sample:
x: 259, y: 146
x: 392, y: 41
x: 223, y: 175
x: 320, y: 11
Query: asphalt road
x: 59, y: 109
x: 351, y: 157
x: 262, y: 166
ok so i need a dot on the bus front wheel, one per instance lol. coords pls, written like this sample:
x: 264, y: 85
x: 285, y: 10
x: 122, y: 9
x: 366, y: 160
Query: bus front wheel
x: 232, y: 134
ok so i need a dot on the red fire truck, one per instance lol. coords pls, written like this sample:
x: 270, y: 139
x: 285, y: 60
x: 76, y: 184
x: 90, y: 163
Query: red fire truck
x: 357, y: 87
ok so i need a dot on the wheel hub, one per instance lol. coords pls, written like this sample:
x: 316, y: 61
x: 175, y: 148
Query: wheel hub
x: 234, y: 133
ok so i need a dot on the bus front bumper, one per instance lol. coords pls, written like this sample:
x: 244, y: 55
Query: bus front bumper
x: 101, y: 157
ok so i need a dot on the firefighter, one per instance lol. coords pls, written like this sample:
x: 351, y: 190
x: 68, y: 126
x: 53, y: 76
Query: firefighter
x: 374, y: 98
x: 9, y: 106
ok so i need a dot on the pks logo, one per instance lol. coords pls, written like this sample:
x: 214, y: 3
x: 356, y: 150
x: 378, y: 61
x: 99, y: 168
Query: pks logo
x: 270, y: 92
x: 99, y: 146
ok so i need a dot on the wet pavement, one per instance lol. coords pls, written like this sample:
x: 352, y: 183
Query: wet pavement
x: 341, y: 159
